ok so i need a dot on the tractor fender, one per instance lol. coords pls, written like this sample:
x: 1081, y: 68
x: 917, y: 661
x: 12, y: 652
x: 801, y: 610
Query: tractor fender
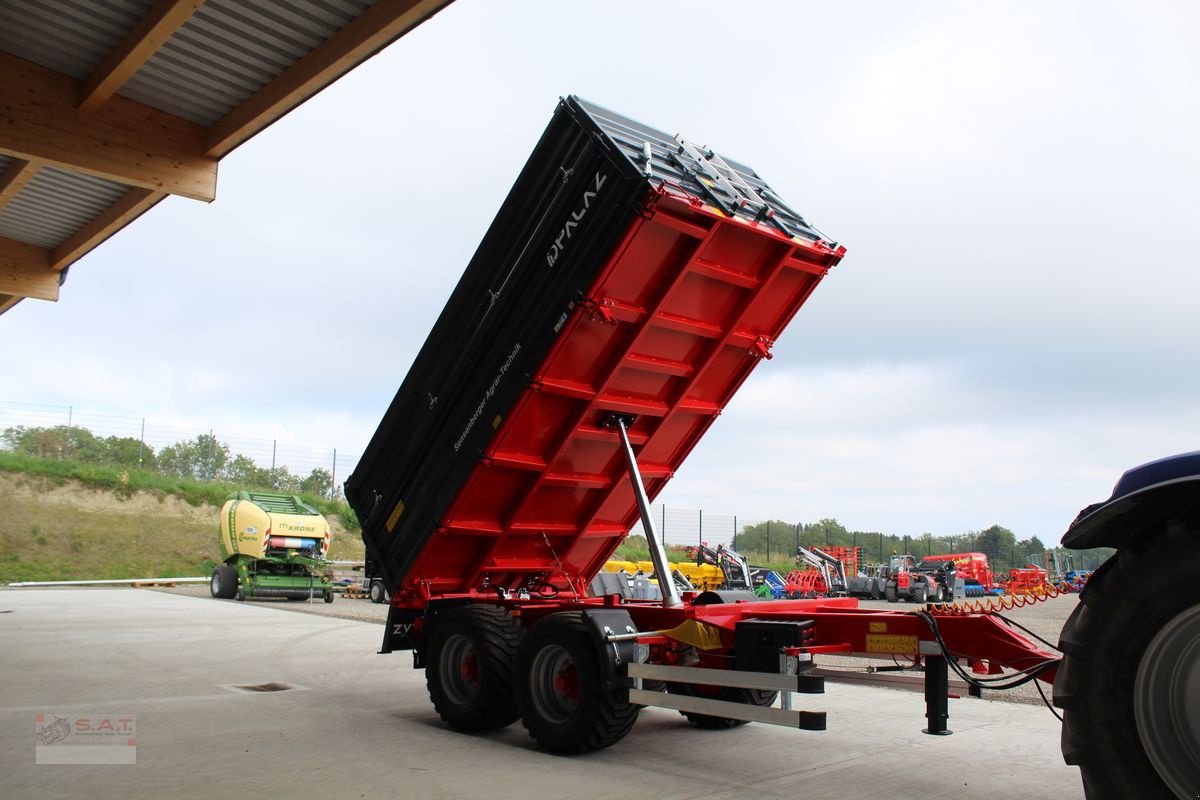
x: 1144, y: 498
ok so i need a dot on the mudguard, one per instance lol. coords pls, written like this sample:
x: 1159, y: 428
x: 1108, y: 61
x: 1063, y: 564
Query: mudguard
x: 1144, y: 498
x: 614, y: 656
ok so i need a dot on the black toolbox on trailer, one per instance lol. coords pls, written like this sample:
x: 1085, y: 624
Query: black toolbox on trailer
x: 583, y: 185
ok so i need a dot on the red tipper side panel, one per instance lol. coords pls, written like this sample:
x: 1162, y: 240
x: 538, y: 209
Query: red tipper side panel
x: 687, y: 306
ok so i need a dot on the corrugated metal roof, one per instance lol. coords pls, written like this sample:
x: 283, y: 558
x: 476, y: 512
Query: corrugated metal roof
x: 181, y: 62
x: 54, y: 205
x: 229, y: 49
x: 68, y: 36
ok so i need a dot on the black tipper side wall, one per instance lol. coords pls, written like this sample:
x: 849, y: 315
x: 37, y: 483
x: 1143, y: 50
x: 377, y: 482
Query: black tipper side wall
x: 496, y: 329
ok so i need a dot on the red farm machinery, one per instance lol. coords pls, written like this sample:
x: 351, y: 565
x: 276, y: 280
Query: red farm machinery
x: 630, y: 283
x: 973, y: 568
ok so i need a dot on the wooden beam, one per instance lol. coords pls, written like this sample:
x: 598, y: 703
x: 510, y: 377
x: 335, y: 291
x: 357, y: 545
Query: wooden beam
x: 25, y: 271
x: 122, y: 141
x: 13, y: 179
x: 159, y: 24
x: 360, y: 39
x: 7, y: 301
x: 132, y: 205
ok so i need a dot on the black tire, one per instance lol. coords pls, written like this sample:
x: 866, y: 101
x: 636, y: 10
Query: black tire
x: 920, y: 592
x: 939, y: 595
x: 561, y: 693
x: 240, y: 595
x: 469, y: 667
x: 1130, y: 670
x: 889, y: 592
x: 377, y: 592
x: 875, y: 593
x: 329, y: 596
x: 754, y: 697
x: 224, y: 582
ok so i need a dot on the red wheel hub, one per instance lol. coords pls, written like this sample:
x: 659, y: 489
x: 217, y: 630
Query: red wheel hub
x: 567, y: 682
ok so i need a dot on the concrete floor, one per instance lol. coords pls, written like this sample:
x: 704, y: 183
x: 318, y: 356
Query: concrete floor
x: 361, y: 725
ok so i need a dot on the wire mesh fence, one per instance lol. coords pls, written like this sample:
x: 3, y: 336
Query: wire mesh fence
x: 774, y: 540
x: 684, y: 526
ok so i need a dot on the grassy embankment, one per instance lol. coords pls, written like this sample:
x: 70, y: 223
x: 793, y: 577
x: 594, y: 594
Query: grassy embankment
x: 61, y: 520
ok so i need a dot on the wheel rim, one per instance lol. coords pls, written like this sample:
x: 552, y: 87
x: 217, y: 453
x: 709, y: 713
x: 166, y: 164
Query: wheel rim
x: 1167, y: 685
x: 459, y: 669
x: 554, y: 684
x: 216, y: 584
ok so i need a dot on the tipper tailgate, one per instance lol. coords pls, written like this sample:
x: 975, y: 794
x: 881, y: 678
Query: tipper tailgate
x: 628, y: 271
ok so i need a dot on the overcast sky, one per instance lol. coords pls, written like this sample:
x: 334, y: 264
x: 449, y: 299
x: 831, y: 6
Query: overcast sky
x: 1017, y: 185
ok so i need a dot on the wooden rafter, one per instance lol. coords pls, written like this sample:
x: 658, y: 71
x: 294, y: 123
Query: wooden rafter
x: 7, y: 301
x: 166, y: 17
x: 25, y: 271
x: 122, y: 141
x: 13, y: 179
x: 362, y: 37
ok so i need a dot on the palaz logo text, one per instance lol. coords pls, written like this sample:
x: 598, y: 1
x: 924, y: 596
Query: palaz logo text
x: 564, y: 235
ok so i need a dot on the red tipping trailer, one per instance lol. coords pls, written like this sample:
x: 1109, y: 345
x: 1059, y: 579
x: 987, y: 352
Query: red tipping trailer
x: 630, y: 283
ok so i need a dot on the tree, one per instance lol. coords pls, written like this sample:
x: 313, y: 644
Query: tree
x: 60, y: 442
x: 318, y: 482
x: 997, y: 543
x: 283, y: 480
x: 824, y: 532
x: 773, y: 537
x: 1032, y: 545
x: 244, y: 472
x: 125, y: 451
x: 202, y: 458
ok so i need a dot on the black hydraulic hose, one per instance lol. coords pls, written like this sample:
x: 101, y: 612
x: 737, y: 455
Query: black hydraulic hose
x: 996, y: 684
x: 1016, y: 624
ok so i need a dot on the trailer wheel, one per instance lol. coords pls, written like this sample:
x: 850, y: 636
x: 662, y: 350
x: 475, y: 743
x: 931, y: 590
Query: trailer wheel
x: 889, y: 592
x: 470, y: 667
x: 561, y: 691
x: 1130, y: 675
x: 754, y: 697
x: 224, y: 582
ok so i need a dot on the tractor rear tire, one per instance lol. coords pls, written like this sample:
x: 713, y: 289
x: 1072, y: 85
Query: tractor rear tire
x: 561, y: 692
x: 224, y: 582
x: 469, y: 667
x: 920, y: 593
x: 889, y: 592
x: 1129, y: 683
x: 754, y: 697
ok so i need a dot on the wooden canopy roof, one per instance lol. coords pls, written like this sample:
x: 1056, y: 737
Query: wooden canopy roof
x: 108, y: 106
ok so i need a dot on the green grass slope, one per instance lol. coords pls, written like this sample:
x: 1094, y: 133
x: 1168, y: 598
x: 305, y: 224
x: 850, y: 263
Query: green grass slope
x: 64, y: 524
